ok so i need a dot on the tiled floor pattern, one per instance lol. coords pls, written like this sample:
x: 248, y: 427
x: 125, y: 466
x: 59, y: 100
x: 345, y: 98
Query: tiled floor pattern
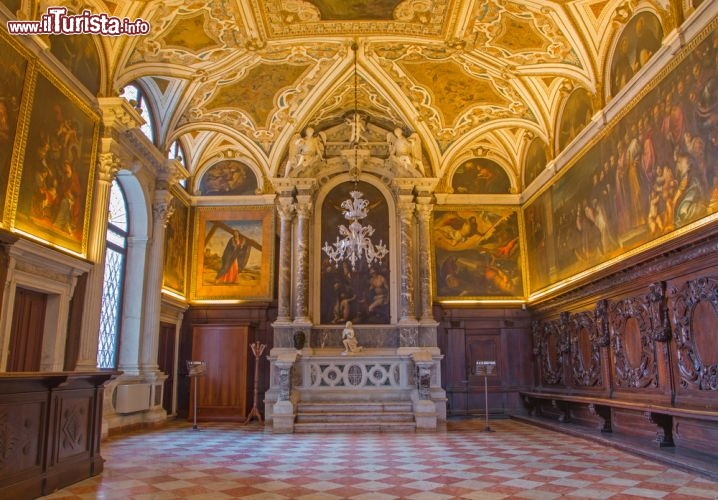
x: 516, y: 461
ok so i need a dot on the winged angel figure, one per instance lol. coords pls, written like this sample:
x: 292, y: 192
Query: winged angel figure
x: 305, y: 151
x: 405, y: 151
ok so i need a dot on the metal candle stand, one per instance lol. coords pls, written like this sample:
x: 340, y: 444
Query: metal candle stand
x: 195, y: 369
x: 485, y: 368
x: 257, y: 350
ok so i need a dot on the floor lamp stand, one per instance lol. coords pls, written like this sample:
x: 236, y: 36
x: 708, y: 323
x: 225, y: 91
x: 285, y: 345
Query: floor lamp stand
x: 195, y: 369
x: 257, y: 350
x: 486, y: 368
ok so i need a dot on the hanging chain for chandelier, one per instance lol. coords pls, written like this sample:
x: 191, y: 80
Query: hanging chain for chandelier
x: 354, y: 242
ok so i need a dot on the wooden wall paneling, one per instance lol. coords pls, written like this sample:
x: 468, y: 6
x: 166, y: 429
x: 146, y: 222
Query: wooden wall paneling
x: 222, y: 390
x: 24, y: 436
x: 585, y: 360
x: 456, y: 373
x: 694, y: 315
x: 485, y: 347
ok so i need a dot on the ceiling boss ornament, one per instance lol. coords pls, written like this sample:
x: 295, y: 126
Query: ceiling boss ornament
x: 355, y: 243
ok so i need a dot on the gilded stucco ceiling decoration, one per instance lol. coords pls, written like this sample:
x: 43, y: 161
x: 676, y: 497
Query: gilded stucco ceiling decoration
x: 515, y: 33
x: 262, y: 94
x: 191, y: 33
x: 286, y: 18
x: 452, y: 93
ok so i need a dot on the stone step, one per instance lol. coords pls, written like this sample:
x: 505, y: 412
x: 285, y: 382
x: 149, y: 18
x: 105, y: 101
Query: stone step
x: 353, y: 417
x: 329, y: 427
x: 354, y: 407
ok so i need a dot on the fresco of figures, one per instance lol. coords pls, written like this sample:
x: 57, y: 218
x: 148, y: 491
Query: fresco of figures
x: 638, y: 41
x: 653, y: 172
x: 480, y: 176
x: 360, y: 294
x: 476, y: 253
x: 228, y: 177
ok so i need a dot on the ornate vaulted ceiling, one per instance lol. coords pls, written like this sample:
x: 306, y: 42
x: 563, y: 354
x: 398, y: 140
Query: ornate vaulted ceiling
x: 469, y: 76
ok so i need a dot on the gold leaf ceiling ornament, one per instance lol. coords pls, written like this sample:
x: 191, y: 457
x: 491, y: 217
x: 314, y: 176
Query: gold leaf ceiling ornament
x: 288, y: 18
x: 517, y: 33
x: 190, y: 34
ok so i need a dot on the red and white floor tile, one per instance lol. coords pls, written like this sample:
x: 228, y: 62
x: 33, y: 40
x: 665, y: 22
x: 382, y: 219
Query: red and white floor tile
x: 516, y: 461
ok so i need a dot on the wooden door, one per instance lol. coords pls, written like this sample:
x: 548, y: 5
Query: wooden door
x: 28, y: 325
x: 166, y: 363
x: 222, y: 390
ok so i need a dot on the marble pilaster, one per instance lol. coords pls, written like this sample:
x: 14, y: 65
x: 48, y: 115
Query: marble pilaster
x: 301, y: 296
x: 285, y: 208
x: 424, y: 209
x: 161, y: 213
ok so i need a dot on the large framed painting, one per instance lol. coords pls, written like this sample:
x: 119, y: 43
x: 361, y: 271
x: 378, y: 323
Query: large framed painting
x: 12, y: 80
x: 233, y: 253
x: 358, y: 293
x: 56, y: 175
x: 176, y: 238
x: 476, y: 253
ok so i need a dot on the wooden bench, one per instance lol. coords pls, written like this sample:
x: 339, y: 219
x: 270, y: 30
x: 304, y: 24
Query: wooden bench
x: 660, y: 415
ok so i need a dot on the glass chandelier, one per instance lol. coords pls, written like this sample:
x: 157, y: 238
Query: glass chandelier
x: 355, y: 242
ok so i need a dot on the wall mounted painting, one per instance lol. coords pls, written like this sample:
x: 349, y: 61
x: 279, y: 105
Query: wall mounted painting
x: 176, y: 238
x: 228, y: 177
x: 639, y: 40
x: 12, y: 79
x: 536, y: 159
x: 233, y: 253
x: 79, y: 55
x: 652, y: 172
x: 361, y: 293
x: 576, y: 114
x: 480, y: 176
x: 57, y: 173
x: 476, y: 253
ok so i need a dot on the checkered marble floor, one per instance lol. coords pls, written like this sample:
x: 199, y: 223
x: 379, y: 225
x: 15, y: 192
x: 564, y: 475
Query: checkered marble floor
x: 516, y: 461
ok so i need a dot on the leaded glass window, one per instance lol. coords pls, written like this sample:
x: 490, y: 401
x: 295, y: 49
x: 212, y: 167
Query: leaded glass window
x: 115, y: 256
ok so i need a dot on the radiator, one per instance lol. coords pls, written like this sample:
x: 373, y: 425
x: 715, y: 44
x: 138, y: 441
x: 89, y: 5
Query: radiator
x: 132, y: 398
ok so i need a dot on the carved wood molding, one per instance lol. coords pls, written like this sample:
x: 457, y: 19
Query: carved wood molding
x: 694, y: 372
x: 584, y: 375
x: 623, y: 313
x: 551, y: 359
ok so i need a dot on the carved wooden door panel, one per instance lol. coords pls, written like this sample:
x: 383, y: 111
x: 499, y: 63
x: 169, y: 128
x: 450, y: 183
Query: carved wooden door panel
x: 222, y: 390
x: 28, y: 324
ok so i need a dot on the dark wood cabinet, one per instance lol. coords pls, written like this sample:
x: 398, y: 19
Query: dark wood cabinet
x: 50, y: 432
x: 222, y: 390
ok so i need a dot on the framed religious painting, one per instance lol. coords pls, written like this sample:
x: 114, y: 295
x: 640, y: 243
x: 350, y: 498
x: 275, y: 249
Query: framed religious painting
x: 176, y: 238
x: 54, y: 181
x: 12, y: 81
x: 233, y: 253
x: 477, y: 253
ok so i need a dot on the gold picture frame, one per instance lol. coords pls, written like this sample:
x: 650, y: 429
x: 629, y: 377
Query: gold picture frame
x: 174, y: 273
x: 227, y: 266
x: 51, y: 199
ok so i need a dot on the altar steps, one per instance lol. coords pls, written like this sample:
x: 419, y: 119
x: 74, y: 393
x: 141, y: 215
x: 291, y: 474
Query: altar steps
x: 355, y: 417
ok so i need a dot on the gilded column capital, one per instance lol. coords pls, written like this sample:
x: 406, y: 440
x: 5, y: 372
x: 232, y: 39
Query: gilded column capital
x: 162, y: 208
x: 108, y: 164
